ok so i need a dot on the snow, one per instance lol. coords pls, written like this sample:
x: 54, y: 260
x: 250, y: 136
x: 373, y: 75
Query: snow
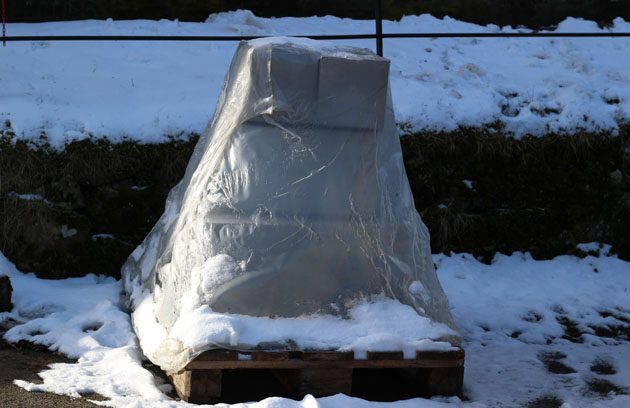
x: 509, y: 313
x: 96, y: 237
x: 469, y: 184
x: 149, y: 90
x: 373, y: 325
x: 27, y: 197
x: 36, y: 197
x: 594, y: 247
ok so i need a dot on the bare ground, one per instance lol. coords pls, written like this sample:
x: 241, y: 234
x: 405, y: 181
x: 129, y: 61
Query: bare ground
x: 23, y: 361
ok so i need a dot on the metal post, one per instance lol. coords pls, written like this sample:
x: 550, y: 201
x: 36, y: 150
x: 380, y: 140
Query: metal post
x: 379, y: 28
x: 4, y: 25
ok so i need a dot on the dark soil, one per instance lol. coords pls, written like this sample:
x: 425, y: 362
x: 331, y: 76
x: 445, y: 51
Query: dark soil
x: 571, y: 330
x: 23, y: 362
x: 614, y: 331
x: 547, y: 401
x: 604, y: 387
x: 6, y: 291
x: 603, y: 367
x: 532, y: 317
x: 552, y: 362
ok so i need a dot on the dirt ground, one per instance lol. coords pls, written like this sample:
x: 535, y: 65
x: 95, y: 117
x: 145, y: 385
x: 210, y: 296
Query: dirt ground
x: 23, y: 361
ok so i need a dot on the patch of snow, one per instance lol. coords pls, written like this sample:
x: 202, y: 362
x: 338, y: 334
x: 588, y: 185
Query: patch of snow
x: 379, y: 324
x: 418, y: 288
x: 205, y: 278
x: 96, y: 237
x: 28, y: 197
x: 67, y: 232
x: 594, y: 247
x: 72, y: 90
x: 36, y: 197
x: 82, y: 318
x: 510, y: 313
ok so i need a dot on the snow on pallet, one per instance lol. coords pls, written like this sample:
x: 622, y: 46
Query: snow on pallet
x: 321, y: 373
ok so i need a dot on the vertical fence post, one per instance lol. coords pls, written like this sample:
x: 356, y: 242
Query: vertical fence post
x: 4, y: 24
x: 379, y: 28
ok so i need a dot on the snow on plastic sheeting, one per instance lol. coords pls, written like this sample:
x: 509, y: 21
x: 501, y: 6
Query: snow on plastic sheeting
x: 295, y: 205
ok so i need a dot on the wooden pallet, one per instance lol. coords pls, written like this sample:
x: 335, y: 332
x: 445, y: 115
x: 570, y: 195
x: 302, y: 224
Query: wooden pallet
x: 229, y: 376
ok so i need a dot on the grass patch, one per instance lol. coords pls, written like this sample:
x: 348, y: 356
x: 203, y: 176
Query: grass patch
x: 477, y: 190
x: 89, y: 188
x: 538, y: 194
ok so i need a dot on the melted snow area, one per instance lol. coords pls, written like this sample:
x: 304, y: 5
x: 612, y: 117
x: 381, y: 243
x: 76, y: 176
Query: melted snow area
x: 148, y: 90
x: 532, y: 329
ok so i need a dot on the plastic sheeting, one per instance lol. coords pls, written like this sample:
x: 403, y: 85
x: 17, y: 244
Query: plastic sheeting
x: 295, y: 201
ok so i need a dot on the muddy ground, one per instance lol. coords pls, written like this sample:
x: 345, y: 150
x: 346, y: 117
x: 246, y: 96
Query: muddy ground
x: 23, y: 361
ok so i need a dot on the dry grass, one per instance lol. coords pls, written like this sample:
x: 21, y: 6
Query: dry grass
x: 88, y: 186
x: 537, y: 194
x: 542, y: 195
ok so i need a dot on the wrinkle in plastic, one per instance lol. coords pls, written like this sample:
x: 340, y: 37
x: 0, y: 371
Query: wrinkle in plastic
x: 298, y: 181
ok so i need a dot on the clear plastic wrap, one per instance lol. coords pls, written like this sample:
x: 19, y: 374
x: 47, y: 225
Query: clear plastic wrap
x: 294, y: 203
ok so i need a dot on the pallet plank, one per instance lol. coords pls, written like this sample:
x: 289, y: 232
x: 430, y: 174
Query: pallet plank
x: 445, y: 381
x: 317, y: 382
x: 218, y: 355
x: 305, y: 364
x: 323, y: 372
x: 441, y: 355
x: 205, y: 384
x: 327, y: 355
x: 197, y: 385
x: 270, y: 356
x: 384, y: 355
x: 181, y: 383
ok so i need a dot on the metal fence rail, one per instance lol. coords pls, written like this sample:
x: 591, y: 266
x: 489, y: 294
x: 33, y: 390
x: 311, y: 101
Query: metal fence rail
x: 314, y: 37
x: 379, y: 35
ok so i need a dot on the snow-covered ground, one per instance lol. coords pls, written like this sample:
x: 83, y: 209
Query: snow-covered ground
x: 531, y: 328
x: 512, y: 314
x: 148, y: 90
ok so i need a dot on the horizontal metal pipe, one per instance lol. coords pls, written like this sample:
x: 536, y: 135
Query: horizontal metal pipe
x: 500, y: 35
x: 171, y: 37
x: 314, y: 37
